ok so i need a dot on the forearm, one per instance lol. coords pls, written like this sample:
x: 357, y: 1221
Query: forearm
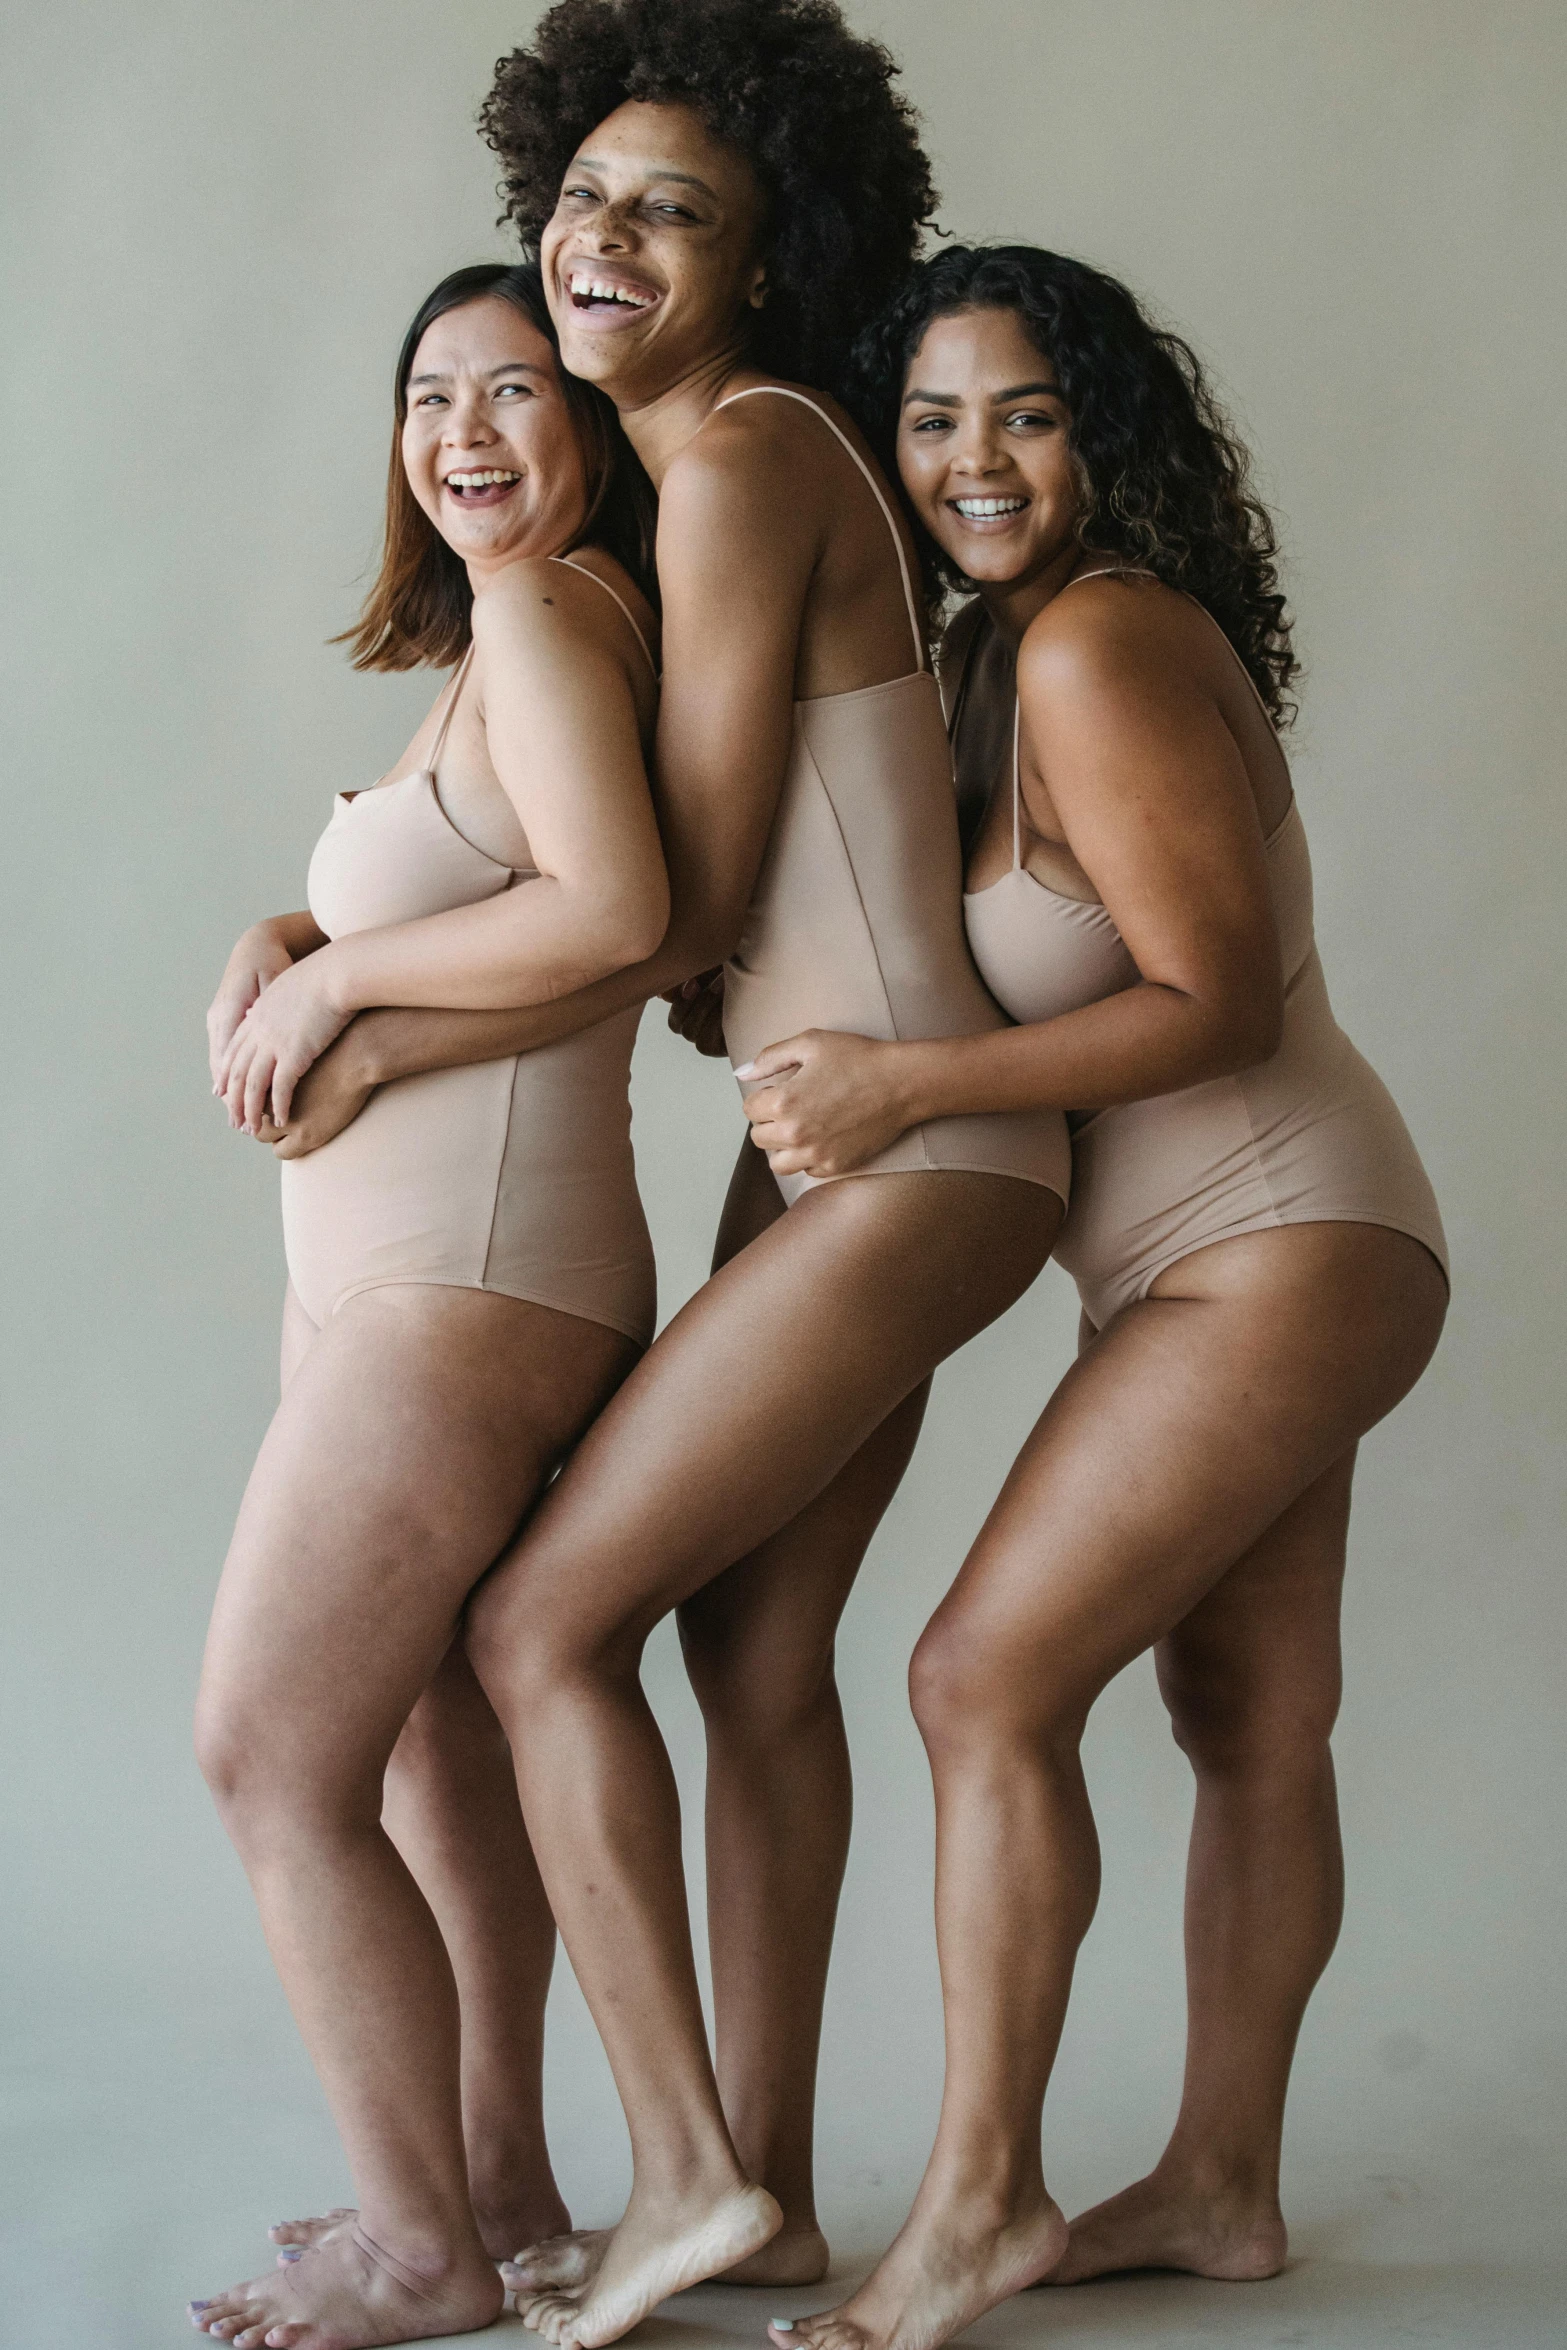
x: 391, y: 1042
x: 297, y: 934
x: 524, y: 949
x: 1148, y: 1040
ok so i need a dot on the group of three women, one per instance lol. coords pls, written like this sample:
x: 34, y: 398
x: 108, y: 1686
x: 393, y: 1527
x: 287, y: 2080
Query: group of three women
x: 426, y: 1730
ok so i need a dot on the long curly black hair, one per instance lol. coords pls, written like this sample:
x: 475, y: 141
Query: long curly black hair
x: 1166, y: 484
x: 809, y: 103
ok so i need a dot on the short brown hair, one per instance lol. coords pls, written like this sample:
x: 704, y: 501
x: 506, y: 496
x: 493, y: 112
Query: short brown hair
x: 419, y: 609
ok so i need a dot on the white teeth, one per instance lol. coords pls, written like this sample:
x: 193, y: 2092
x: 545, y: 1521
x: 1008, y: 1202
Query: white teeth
x: 478, y: 481
x: 597, y: 289
x: 976, y: 509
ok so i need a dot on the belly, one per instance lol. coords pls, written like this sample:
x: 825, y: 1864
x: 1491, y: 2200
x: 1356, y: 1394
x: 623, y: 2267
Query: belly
x: 515, y: 1176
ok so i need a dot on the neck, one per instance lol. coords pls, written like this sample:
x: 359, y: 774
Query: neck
x: 1011, y: 604
x: 481, y: 569
x: 659, y: 425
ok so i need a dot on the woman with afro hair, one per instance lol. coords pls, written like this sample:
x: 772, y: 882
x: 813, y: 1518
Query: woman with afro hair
x: 718, y: 191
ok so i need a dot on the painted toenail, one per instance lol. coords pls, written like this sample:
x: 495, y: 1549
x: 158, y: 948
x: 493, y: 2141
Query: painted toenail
x: 782, y: 2325
x: 198, y: 2304
x: 289, y: 2253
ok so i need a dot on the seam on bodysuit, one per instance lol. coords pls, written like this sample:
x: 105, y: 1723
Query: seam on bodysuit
x: 526, y: 1297
x: 500, y: 1177
x: 869, y: 926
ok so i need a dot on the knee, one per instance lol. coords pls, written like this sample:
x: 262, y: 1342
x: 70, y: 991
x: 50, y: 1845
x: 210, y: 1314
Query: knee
x: 755, y: 1691
x: 268, y: 1784
x: 530, y: 1655
x: 970, y: 1685
x: 1237, y: 1729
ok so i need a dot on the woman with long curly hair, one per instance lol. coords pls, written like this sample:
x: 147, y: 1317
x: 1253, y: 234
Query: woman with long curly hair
x: 716, y: 189
x: 1257, y: 1248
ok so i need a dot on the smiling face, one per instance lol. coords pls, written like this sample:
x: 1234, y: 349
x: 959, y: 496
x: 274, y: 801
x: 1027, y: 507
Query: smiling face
x: 983, y: 449
x: 489, y: 446
x: 650, y: 261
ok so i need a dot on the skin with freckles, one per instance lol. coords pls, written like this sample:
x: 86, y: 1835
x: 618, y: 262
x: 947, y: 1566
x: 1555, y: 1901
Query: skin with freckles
x: 339, y: 1724
x: 1187, y: 1486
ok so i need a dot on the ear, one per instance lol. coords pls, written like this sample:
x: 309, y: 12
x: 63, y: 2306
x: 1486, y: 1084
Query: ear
x: 758, y: 294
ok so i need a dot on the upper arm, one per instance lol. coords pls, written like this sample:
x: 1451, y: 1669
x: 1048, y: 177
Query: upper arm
x: 1155, y: 801
x: 736, y: 551
x: 562, y: 728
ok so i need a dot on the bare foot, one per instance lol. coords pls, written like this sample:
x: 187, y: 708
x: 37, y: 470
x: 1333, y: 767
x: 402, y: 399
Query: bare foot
x: 655, y: 2251
x: 566, y: 2264
x: 1159, y: 2225
x: 303, y: 2235
x: 557, y: 2264
x: 936, y: 2279
x: 795, y: 2256
x: 350, y: 2294
x: 501, y: 2224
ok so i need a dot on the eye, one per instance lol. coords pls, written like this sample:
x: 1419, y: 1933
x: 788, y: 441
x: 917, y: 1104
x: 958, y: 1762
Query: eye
x: 931, y: 424
x: 522, y: 391
x: 1022, y: 419
x: 431, y: 400
x: 674, y: 211
x: 579, y: 196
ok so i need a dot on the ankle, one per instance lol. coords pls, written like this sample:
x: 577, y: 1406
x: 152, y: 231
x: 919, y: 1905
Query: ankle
x: 1228, y: 2178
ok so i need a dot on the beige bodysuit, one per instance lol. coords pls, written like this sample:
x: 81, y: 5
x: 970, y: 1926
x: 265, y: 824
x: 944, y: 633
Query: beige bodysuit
x: 1310, y: 1136
x: 855, y: 923
x: 515, y: 1175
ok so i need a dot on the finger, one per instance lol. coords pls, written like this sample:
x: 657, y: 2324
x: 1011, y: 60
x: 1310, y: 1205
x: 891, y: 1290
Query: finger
x: 258, y: 1084
x: 235, y: 1070
x: 285, y: 1076
x: 776, y: 1058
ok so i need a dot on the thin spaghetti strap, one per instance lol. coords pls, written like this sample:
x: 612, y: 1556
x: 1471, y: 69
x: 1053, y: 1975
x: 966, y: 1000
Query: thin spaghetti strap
x: 583, y: 571
x: 1130, y: 571
x: 439, y: 743
x: 782, y: 392
x: 1017, y: 783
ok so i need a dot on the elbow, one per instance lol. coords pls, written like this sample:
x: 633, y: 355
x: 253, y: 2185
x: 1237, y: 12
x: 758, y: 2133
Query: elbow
x: 628, y: 928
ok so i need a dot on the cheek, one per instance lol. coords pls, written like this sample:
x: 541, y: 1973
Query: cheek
x: 419, y: 467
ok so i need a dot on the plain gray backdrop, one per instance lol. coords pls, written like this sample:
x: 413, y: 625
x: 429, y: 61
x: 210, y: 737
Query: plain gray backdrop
x: 220, y: 218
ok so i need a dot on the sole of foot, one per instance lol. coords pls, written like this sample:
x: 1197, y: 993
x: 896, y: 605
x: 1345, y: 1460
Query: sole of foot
x: 349, y: 2294
x: 1146, y: 2227
x: 649, y: 2257
x: 931, y: 2285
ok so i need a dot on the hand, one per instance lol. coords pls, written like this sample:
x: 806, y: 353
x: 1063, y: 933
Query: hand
x: 696, y: 1012
x: 258, y: 959
x: 328, y: 1097
x: 823, y: 1104
x: 289, y: 1025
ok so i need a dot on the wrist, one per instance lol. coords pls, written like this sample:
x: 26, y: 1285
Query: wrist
x: 916, y: 1082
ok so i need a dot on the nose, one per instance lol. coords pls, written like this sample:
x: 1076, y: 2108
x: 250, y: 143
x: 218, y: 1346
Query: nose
x: 467, y: 424
x: 977, y: 453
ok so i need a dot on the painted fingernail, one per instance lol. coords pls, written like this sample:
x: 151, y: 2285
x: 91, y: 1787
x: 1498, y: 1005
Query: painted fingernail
x: 782, y: 2325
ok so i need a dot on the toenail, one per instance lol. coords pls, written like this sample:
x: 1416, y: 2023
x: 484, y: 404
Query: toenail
x: 290, y: 2253
x: 198, y: 2304
x: 782, y: 2325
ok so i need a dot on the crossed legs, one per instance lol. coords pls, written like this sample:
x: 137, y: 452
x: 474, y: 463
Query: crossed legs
x: 1187, y: 1486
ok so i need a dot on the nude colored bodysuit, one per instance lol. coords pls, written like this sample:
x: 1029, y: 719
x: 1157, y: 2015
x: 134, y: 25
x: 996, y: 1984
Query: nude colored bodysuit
x: 1310, y: 1136
x: 514, y: 1176
x: 855, y: 921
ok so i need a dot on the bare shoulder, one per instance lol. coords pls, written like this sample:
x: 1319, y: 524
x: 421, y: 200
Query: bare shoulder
x: 545, y: 607
x: 760, y: 447
x: 1109, y: 634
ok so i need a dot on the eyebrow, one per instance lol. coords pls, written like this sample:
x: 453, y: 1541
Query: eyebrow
x: 999, y: 399
x: 507, y: 367
x: 686, y: 179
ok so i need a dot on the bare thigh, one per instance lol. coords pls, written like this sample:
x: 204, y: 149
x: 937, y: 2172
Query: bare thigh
x: 417, y: 1428
x: 1185, y: 1431
x: 759, y: 1392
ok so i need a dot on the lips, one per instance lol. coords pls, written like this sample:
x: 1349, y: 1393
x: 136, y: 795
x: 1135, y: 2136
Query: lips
x: 480, y: 485
x: 606, y: 297
x: 992, y: 509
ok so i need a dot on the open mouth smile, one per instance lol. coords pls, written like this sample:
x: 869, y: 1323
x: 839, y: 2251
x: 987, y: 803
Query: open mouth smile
x: 485, y: 487
x: 987, y: 509
x: 607, y: 298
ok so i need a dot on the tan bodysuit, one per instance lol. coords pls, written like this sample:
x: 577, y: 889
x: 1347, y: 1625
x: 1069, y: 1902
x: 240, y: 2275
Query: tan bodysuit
x: 1311, y: 1136
x: 855, y: 922
x: 515, y: 1175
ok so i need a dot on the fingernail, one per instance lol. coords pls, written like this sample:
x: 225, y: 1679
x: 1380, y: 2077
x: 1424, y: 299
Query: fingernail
x: 782, y: 2325
x: 748, y: 1069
